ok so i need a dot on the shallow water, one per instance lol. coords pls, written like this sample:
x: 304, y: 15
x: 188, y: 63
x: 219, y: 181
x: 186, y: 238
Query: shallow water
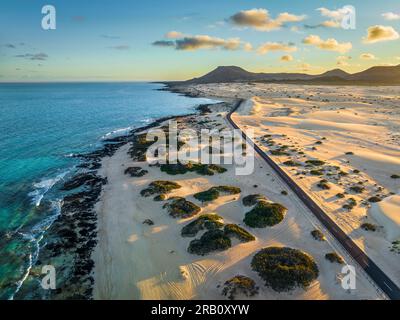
x: 42, y: 126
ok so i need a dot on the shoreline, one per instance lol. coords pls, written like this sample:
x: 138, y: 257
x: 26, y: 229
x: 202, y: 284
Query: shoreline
x: 72, y: 236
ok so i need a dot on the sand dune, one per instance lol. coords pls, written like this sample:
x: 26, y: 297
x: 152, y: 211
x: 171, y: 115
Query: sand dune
x: 355, y: 129
x: 387, y: 213
x: 137, y: 261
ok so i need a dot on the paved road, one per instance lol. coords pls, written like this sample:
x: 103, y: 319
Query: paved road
x: 373, y: 271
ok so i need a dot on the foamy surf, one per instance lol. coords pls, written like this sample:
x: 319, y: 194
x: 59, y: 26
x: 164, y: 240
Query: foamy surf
x: 35, y: 236
x: 42, y: 187
x: 117, y: 132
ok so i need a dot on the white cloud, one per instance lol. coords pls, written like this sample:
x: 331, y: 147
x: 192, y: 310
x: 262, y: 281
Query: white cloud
x: 275, y: 46
x: 367, y: 56
x: 247, y: 46
x: 191, y: 43
x: 380, y: 33
x: 331, y: 24
x: 391, y: 16
x: 260, y: 19
x: 174, y: 35
x: 343, y: 61
x: 287, y: 58
x: 330, y: 44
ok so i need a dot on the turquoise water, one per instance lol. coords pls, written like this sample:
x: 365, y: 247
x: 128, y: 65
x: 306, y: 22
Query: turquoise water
x: 42, y: 125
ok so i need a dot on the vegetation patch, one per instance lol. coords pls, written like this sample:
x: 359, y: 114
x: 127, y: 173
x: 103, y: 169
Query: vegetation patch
x: 265, y: 214
x: 368, y: 227
x: 284, y: 269
x: 318, y: 235
x: 215, y: 192
x: 334, y: 257
x: 139, y: 147
x: 136, y: 171
x: 239, y: 285
x: 205, y: 221
x: 160, y: 197
x: 279, y: 152
x: 181, y: 208
x: 351, y: 203
x: 323, y: 184
x: 252, y: 199
x: 202, y: 169
x: 160, y: 187
x: 210, y: 241
x: 395, y: 176
x: 291, y: 163
x: 315, y: 162
x: 317, y: 172
x: 374, y: 199
x: 357, y: 189
x: 233, y: 230
x: 340, y: 195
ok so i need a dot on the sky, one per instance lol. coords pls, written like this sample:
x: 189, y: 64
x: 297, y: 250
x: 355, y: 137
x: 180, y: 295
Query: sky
x: 126, y: 40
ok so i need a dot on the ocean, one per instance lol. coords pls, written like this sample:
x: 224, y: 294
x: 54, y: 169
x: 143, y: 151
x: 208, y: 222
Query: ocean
x: 42, y: 126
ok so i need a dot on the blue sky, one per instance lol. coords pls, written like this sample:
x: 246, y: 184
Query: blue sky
x: 107, y: 40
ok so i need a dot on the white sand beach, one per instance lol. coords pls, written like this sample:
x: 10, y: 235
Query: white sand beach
x: 137, y: 261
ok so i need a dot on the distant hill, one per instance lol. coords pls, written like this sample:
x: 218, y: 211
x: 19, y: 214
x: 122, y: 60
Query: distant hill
x: 388, y: 75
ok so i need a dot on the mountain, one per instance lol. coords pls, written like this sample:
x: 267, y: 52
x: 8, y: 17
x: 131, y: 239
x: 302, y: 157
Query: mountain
x: 375, y: 75
x: 380, y: 74
x: 226, y: 74
x: 337, y: 73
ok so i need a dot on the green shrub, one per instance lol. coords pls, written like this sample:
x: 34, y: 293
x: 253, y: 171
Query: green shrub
x: 208, y: 195
x: 139, y: 147
x: 340, y: 195
x: 334, y: 257
x: 315, y: 162
x: 228, y: 189
x: 351, y: 203
x: 202, y: 169
x: 279, y: 152
x: 215, y: 192
x: 323, y: 184
x: 374, y: 199
x: 357, y: 189
x: 252, y: 199
x: 160, y: 187
x: 160, y: 197
x: 318, y: 235
x: 368, y: 227
x: 136, y: 171
x: 233, y: 230
x: 292, y: 163
x: 317, y: 172
x: 284, y: 269
x: 212, y: 240
x: 239, y: 285
x: 181, y: 208
x: 205, y: 221
x: 395, y: 176
x: 265, y: 214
